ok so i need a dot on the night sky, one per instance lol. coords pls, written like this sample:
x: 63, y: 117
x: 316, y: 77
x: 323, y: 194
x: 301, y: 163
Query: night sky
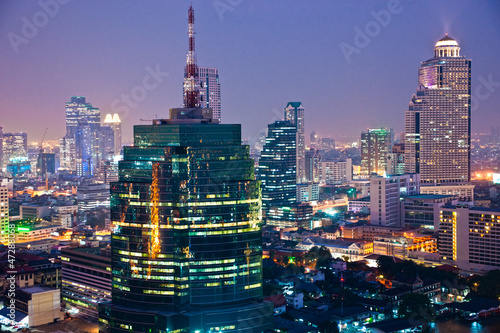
x: 268, y: 52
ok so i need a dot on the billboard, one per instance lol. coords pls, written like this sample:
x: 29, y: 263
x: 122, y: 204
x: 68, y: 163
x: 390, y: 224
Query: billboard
x: 496, y: 178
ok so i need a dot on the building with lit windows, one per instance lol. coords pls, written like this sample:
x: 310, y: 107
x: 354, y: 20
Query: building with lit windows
x: 210, y: 90
x: 277, y: 168
x: 80, y: 146
x: 114, y: 122
x: 375, y: 147
x: 468, y: 237
x: 4, y: 214
x: 15, y: 148
x: 335, y: 172
x: 438, y: 120
x: 295, y: 114
x: 187, y: 239
x: 86, y: 280
x: 420, y: 210
x: 386, y: 194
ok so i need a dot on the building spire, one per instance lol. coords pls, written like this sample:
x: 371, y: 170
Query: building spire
x: 191, y: 87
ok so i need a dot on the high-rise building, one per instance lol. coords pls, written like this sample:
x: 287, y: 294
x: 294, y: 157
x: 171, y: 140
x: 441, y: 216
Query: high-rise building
x: 106, y: 143
x: 67, y: 154
x: 83, y: 122
x: 1, y: 149
x: 294, y: 113
x: 4, y: 214
x: 312, y: 158
x: 336, y: 172
x: 114, y: 122
x: 468, y: 237
x: 277, y: 167
x: 186, y: 249
x: 210, y: 90
x: 46, y: 164
x: 375, y: 145
x: 84, y: 149
x: 385, y: 197
x: 438, y: 120
x: 78, y: 109
x: 396, y: 160
x: 15, y: 147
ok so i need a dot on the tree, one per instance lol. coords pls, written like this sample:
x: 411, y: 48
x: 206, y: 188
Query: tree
x: 416, y: 307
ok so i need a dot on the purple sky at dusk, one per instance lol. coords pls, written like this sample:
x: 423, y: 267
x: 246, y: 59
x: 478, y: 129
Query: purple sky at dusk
x: 268, y: 53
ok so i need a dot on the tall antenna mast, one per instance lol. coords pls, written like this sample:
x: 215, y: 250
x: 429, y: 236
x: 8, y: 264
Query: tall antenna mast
x: 191, y: 87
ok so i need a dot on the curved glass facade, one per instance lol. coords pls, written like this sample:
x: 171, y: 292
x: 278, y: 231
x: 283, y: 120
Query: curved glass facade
x: 187, y: 233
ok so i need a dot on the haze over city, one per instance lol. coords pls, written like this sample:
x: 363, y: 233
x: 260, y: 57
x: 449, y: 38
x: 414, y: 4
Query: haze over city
x: 268, y: 53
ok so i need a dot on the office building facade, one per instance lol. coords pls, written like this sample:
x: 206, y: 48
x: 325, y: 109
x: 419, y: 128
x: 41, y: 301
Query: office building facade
x: 295, y: 114
x: 210, y: 90
x: 336, y: 172
x: 385, y: 197
x: 277, y: 167
x: 187, y: 242
x: 86, y: 280
x: 375, y: 147
x: 468, y: 237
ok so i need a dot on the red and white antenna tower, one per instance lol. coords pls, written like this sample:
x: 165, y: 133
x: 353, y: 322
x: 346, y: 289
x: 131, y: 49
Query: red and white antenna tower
x: 191, y: 87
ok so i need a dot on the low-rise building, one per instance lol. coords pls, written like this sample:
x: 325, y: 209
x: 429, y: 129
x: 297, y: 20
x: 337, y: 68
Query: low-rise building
x: 419, y: 211
x: 86, y: 280
x: 64, y: 215
x: 40, y: 304
x: 354, y: 250
x: 34, y: 211
x: 295, y: 300
x: 463, y: 192
x: 359, y: 205
x: 279, y: 302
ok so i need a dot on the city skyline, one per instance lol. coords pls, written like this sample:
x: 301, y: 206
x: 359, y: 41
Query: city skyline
x: 294, y: 64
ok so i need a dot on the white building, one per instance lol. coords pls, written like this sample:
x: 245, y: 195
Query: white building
x: 64, y: 215
x: 359, y: 205
x: 463, y: 192
x: 335, y: 172
x: 307, y: 192
x: 41, y: 304
x: 385, y: 197
x: 208, y: 80
x: 354, y: 250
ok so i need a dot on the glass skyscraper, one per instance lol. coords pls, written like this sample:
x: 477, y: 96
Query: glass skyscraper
x: 186, y: 242
x: 277, y: 169
x: 375, y: 147
x: 81, y: 144
x: 438, y: 120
